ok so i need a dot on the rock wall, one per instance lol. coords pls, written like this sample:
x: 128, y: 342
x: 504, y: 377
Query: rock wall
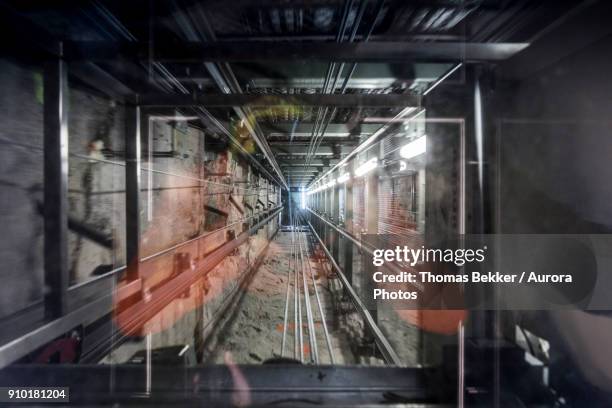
x: 189, y: 188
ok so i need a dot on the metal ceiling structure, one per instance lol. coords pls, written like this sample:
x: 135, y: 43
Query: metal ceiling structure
x: 297, y: 77
x: 256, y: 96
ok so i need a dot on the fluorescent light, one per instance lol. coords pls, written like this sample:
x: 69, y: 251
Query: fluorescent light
x: 366, y: 167
x: 331, y: 183
x: 414, y: 148
x: 344, y: 178
x: 313, y: 190
x: 372, y: 138
x: 375, y: 135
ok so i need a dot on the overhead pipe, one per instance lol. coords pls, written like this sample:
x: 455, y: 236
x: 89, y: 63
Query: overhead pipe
x: 225, y: 79
x: 343, y: 22
x: 354, y: 66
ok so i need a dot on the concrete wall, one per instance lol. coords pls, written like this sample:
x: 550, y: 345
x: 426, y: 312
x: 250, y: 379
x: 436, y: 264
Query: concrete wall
x: 21, y: 183
x: 554, y: 178
x: 556, y: 145
x: 21, y: 174
x: 184, y: 180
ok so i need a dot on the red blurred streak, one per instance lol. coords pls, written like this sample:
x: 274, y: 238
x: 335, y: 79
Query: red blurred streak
x: 241, y: 396
x: 131, y: 318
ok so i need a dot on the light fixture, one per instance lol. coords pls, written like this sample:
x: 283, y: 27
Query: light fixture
x: 366, y: 167
x: 331, y: 183
x: 403, y: 165
x: 414, y: 148
x: 344, y: 178
x: 314, y: 190
x: 389, y: 122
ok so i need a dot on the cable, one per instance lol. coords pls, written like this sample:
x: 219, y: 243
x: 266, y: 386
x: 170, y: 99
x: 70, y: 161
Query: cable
x: 282, y: 353
x: 323, y: 321
x: 312, y: 335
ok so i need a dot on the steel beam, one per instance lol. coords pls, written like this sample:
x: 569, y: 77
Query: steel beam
x: 249, y: 51
x: 254, y: 100
x: 302, y: 150
x: 327, y: 141
x: 288, y: 168
x: 55, y: 210
x: 214, y: 385
x: 132, y: 190
x: 202, y: 32
x: 348, y: 224
x: 334, y: 214
x: 313, y: 163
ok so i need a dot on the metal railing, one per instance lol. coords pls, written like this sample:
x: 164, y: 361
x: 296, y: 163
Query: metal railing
x: 382, y: 343
x: 302, y: 274
x: 100, y: 306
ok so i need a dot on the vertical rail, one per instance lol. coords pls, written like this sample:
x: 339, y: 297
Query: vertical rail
x: 322, y: 314
x: 371, y: 228
x: 461, y: 366
x: 312, y: 335
x: 286, y: 316
x: 56, y: 188
x: 383, y: 344
x: 328, y: 206
x: 132, y: 191
x: 288, y: 296
x: 299, y: 308
x: 348, y: 222
x: 295, y: 295
x: 335, y: 216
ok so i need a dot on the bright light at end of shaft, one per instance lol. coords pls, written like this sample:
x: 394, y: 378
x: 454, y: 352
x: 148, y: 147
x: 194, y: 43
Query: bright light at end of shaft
x: 414, y: 148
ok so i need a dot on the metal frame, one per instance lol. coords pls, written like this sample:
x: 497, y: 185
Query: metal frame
x: 132, y: 190
x: 215, y: 385
x: 335, y: 217
x: 248, y: 51
x: 253, y: 100
x: 383, y: 344
x: 56, y: 187
x: 355, y: 241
